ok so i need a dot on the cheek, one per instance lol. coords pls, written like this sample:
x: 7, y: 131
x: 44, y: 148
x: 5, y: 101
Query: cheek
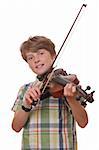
x: 49, y: 59
x: 49, y: 62
x: 31, y: 66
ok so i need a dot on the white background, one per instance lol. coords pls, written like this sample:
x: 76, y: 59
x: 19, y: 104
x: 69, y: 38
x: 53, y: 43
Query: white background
x: 20, y: 19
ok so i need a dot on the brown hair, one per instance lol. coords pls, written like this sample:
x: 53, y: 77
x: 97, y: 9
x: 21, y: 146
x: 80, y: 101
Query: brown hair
x: 33, y: 44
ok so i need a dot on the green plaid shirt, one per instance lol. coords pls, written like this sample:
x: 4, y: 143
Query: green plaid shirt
x: 50, y: 125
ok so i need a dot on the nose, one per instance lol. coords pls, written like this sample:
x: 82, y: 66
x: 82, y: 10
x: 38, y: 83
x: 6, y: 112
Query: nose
x: 36, y: 59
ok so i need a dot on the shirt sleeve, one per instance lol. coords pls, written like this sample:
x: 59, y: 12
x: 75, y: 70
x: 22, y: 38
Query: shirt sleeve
x: 20, y: 96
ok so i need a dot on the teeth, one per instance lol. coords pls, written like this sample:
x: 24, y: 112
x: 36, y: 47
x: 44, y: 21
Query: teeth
x: 39, y: 66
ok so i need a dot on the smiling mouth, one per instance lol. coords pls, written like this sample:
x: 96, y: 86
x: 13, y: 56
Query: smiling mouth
x: 39, y: 66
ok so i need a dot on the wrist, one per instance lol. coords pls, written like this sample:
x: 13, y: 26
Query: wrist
x: 25, y: 104
x: 26, y: 107
x: 70, y: 100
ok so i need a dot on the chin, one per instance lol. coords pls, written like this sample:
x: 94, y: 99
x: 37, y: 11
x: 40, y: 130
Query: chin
x: 40, y: 72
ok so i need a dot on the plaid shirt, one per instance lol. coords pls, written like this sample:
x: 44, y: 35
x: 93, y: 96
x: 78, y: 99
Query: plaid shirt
x: 50, y: 125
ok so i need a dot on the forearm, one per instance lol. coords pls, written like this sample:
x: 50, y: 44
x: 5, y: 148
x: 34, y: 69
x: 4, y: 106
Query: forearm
x: 78, y: 112
x: 19, y: 120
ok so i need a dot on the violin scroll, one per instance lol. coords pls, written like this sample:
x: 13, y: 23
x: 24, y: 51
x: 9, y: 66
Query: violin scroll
x: 84, y: 97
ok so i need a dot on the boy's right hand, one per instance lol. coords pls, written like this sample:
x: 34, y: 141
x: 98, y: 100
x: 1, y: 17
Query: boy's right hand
x: 32, y: 95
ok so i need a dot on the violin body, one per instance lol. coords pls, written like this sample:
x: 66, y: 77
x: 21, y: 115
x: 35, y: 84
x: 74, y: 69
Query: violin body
x: 59, y: 80
x: 56, y: 85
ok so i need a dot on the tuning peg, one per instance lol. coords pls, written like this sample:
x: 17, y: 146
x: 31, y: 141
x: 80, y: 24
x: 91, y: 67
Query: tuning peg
x: 90, y: 97
x: 92, y: 92
x: 87, y: 88
x: 83, y: 104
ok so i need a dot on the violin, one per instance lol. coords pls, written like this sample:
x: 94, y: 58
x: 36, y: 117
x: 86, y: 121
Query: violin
x: 58, y: 79
x: 53, y: 81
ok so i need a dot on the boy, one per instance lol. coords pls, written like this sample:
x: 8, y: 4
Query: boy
x: 48, y: 124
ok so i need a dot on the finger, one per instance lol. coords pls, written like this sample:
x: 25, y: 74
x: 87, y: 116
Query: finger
x: 38, y: 91
x: 35, y: 95
x: 28, y: 99
x: 30, y: 95
x: 69, y: 89
x: 74, y: 89
x: 69, y: 86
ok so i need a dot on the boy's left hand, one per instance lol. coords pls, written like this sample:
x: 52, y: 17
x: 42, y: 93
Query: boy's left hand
x: 70, y: 91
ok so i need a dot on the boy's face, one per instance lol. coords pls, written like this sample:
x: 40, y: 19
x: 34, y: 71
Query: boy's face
x: 40, y: 61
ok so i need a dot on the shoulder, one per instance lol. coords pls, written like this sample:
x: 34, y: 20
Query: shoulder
x: 24, y: 88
